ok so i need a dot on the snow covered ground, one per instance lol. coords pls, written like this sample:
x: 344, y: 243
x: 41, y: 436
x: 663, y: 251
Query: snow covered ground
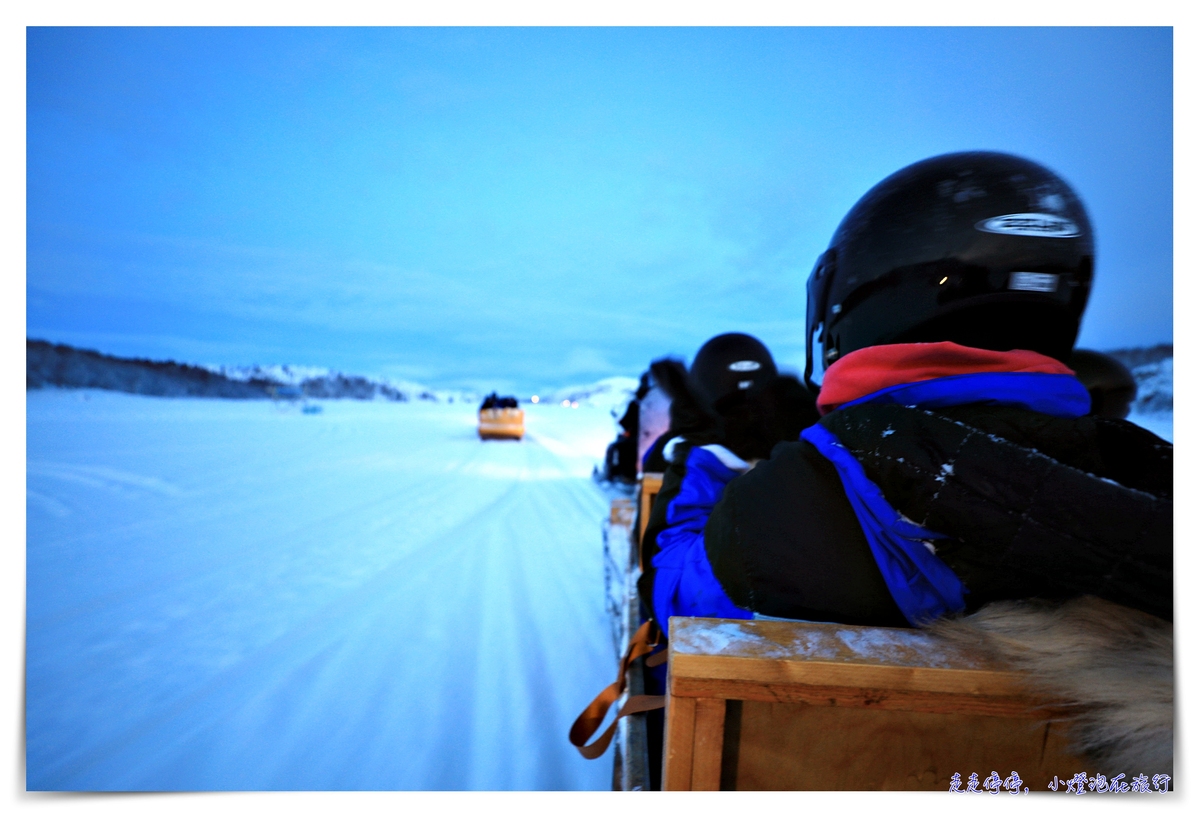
x: 1155, y: 405
x: 229, y: 594
x: 224, y: 595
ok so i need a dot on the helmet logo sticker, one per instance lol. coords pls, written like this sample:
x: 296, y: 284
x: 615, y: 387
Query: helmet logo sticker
x: 1033, y: 282
x: 745, y: 384
x: 744, y: 366
x: 1030, y: 224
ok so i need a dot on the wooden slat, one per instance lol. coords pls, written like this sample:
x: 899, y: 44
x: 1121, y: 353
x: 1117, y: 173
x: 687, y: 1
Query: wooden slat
x: 772, y: 653
x: 621, y: 512
x: 876, y: 698
x: 939, y: 681
x: 679, y: 734
x: 648, y: 489
x: 796, y: 747
x: 707, y: 743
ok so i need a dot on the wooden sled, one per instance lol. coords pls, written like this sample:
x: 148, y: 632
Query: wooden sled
x: 501, y: 424
x: 789, y: 705
x: 627, y: 523
x: 785, y: 705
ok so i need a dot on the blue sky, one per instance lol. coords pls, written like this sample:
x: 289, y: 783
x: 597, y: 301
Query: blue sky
x: 523, y: 208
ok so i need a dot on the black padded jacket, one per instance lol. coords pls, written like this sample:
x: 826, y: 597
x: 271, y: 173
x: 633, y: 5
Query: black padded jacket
x: 1035, y: 506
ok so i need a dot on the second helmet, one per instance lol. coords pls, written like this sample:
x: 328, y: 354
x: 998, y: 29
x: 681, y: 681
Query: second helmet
x: 729, y: 365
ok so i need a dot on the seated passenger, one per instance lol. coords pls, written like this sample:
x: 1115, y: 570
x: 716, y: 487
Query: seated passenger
x: 1109, y: 382
x: 956, y: 462
x: 620, y: 459
x: 727, y: 413
x: 654, y: 418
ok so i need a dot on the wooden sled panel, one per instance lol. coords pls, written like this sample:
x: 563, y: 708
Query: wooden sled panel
x: 620, y: 512
x: 785, y: 746
x: 648, y: 488
x: 805, y: 706
x: 631, y: 756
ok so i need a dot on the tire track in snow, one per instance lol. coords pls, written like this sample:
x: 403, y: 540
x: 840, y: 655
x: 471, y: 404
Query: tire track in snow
x: 416, y: 492
x: 316, y: 633
x: 456, y: 663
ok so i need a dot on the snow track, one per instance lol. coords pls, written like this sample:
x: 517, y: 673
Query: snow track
x: 225, y: 596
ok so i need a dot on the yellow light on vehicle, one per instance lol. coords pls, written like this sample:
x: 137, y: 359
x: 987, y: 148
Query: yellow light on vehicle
x: 534, y: 399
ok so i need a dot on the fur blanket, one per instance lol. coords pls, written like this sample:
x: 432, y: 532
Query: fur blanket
x: 1113, y: 664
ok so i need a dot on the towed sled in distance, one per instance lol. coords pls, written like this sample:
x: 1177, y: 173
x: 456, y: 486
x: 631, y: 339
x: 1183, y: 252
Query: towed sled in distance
x: 501, y: 418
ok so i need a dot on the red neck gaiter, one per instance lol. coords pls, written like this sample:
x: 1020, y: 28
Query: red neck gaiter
x: 873, y: 368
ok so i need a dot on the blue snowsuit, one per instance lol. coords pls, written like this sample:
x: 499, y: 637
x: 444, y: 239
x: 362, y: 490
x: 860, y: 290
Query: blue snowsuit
x: 684, y: 584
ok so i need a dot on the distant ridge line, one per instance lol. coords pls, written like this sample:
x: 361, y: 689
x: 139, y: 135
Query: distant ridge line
x: 1139, y: 356
x: 61, y: 365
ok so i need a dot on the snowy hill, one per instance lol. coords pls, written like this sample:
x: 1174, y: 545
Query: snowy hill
x: 61, y: 365
x: 320, y: 382
x: 1154, y: 370
x: 609, y: 393
x: 1156, y: 386
x: 65, y: 366
x: 1134, y: 357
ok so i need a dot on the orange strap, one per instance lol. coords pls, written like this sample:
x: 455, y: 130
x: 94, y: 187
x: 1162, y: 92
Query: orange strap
x: 592, y: 717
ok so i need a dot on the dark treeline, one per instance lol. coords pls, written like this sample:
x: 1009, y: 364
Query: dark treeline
x: 65, y: 366
x: 61, y: 365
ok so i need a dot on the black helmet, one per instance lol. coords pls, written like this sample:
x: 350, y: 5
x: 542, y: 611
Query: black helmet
x: 984, y: 249
x: 727, y: 365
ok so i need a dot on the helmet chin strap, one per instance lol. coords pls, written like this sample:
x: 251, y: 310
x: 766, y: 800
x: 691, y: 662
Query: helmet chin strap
x: 818, y: 295
x: 808, y: 363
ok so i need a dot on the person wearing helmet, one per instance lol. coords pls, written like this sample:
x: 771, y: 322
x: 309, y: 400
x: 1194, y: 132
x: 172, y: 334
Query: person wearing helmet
x: 955, y: 462
x: 1110, y: 383
x: 727, y: 412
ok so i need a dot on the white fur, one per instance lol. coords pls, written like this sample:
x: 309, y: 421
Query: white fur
x: 1112, y: 665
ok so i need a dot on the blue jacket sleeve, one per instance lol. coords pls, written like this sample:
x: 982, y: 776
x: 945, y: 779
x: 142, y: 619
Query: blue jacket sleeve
x: 684, y: 584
